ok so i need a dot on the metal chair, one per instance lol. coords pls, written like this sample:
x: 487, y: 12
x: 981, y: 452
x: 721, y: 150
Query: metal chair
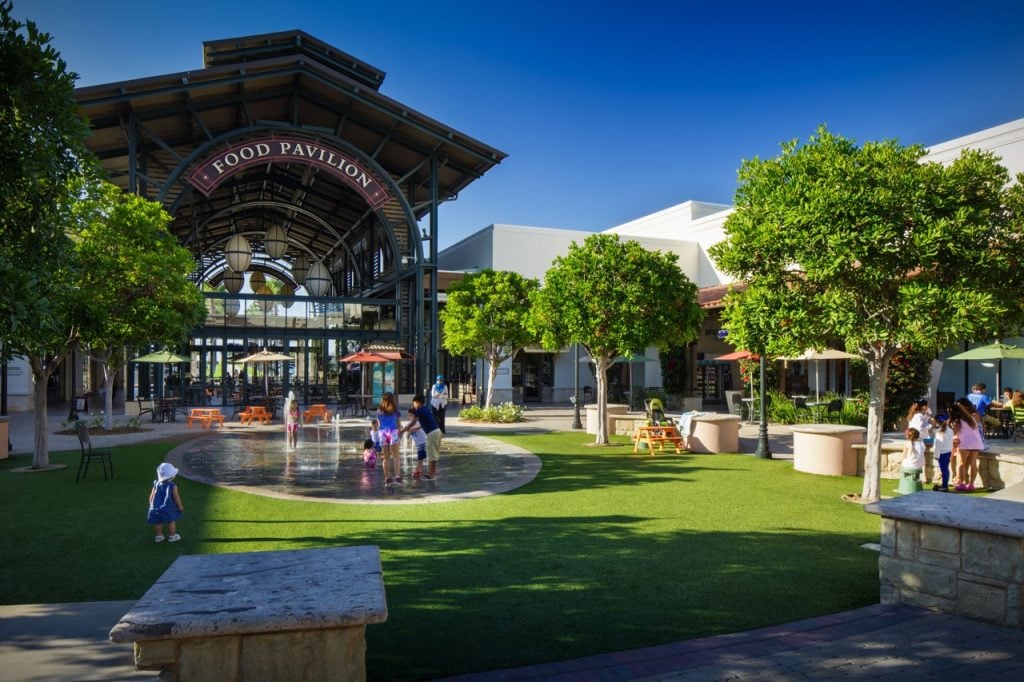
x: 835, y: 407
x: 737, y: 404
x: 801, y: 405
x: 88, y: 454
x: 146, y: 406
x: 1018, y: 421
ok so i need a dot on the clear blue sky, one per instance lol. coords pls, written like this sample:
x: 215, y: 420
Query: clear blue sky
x: 610, y: 110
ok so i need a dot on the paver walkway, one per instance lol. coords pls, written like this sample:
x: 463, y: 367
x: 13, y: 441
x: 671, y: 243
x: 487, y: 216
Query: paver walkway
x: 874, y: 642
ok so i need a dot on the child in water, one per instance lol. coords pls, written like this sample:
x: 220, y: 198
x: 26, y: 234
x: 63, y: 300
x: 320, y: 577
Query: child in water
x: 369, y: 454
x: 375, y: 435
x: 164, y: 503
x: 419, y: 439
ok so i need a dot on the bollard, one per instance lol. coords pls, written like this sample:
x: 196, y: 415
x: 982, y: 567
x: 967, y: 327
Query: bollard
x: 909, y: 481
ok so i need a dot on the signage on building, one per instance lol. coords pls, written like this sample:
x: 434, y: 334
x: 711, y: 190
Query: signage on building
x: 238, y: 157
x: 723, y: 333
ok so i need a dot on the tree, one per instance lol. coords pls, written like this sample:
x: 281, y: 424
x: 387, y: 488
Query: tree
x: 615, y: 298
x: 42, y: 153
x: 486, y: 315
x: 871, y: 245
x: 133, y: 287
x: 42, y: 147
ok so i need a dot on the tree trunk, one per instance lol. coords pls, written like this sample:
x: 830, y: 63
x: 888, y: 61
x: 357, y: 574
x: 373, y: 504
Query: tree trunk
x: 878, y: 374
x: 40, y: 452
x: 492, y: 373
x: 601, y: 365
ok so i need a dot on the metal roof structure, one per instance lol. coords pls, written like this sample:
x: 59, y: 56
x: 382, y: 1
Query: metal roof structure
x: 301, y: 137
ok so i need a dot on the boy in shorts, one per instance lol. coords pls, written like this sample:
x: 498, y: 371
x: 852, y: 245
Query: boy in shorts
x: 422, y: 416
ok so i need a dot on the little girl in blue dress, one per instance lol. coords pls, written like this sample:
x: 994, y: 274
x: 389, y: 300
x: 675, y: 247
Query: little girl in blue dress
x: 164, y: 503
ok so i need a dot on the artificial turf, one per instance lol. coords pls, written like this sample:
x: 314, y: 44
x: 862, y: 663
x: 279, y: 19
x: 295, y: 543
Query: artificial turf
x: 604, y: 551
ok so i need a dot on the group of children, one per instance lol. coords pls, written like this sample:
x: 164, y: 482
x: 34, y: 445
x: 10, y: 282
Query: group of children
x: 165, y: 506
x: 386, y: 435
x: 957, y: 436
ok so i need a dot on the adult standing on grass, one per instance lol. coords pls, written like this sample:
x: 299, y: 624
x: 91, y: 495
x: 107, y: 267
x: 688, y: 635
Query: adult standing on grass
x: 425, y: 418
x: 390, y: 423
x: 439, y: 401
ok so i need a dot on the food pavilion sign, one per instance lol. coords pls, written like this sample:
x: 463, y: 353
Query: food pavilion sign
x: 223, y: 165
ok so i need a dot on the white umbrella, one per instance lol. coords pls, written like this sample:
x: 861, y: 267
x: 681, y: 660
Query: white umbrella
x: 816, y: 355
x: 263, y: 357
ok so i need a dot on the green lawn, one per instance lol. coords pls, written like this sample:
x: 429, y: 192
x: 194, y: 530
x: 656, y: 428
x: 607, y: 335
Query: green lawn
x: 603, y: 551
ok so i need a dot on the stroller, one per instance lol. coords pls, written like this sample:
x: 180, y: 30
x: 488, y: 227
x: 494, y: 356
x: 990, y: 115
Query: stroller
x: 655, y: 411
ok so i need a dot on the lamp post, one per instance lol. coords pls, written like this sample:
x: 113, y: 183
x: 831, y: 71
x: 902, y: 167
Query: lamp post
x: 576, y: 423
x: 762, y: 451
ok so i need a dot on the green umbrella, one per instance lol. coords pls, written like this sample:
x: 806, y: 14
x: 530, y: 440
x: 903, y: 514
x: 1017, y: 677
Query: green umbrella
x: 162, y: 356
x: 992, y: 351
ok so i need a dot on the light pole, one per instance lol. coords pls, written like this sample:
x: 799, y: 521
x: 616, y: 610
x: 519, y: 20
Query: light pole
x: 576, y: 423
x: 762, y: 451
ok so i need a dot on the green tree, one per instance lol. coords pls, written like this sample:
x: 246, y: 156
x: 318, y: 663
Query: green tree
x: 42, y: 146
x: 133, y: 287
x: 872, y: 245
x: 486, y: 315
x: 615, y: 298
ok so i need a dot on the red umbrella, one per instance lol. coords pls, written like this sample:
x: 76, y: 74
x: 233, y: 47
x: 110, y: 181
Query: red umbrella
x: 738, y: 355
x: 365, y: 356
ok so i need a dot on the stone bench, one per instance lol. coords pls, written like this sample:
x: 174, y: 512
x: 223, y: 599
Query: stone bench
x: 960, y: 554
x: 297, y: 614
x: 714, y: 433
x: 826, y: 448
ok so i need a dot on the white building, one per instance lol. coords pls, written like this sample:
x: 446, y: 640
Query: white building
x: 688, y: 229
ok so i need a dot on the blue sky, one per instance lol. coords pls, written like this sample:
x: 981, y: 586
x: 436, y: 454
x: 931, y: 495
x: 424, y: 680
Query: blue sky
x: 610, y: 110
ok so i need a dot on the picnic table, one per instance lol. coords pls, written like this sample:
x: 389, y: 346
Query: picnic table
x: 205, y: 416
x: 314, y: 411
x: 657, y: 435
x: 255, y: 413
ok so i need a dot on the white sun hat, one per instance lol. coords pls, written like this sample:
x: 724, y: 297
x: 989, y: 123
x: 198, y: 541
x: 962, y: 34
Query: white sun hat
x: 166, y: 471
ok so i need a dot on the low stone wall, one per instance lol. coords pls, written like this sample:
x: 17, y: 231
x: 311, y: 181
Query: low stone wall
x: 625, y: 425
x: 954, y: 553
x: 995, y: 470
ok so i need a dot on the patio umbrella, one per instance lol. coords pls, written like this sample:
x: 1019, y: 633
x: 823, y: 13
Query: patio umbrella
x: 817, y: 355
x: 369, y: 357
x: 262, y: 358
x: 992, y: 351
x: 738, y: 355
x: 163, y: 357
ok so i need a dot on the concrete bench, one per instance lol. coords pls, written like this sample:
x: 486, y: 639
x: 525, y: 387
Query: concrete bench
x: 960, y: 554
x: 826, y: 448
x: 298, y: 614
x: 714, y: 433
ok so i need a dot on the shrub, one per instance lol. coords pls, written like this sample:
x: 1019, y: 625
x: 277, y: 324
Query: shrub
x: 505, y: 413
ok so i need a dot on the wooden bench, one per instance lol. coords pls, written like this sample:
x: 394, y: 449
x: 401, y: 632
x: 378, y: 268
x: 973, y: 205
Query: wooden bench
x: 255, y: 412
x: 657, y: 436
x: 205, y: 416
x: 315, y: 411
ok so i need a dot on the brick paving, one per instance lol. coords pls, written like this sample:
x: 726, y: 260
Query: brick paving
x: 874, y: 642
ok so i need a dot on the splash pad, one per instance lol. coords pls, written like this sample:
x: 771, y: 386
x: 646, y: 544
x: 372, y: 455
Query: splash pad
x: 327, y: 465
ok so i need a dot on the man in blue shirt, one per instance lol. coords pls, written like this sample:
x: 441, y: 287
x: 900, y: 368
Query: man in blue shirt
x: 423, y: 416
x: 981, y: 402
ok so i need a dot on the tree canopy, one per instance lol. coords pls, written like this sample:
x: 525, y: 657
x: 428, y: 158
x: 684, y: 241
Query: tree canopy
x: 487, y: 315
x: 615, y: 298
x: 873, y: 246
x: 42, y: 148
x: 133, y: 287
